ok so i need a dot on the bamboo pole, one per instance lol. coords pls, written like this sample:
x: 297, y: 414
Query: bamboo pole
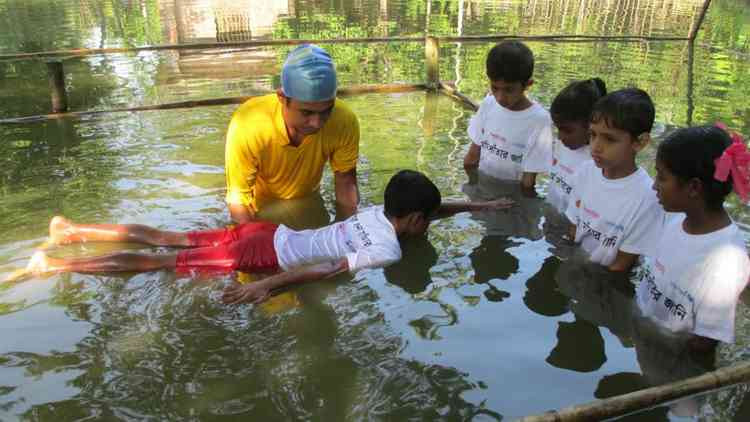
x: 690, y: 82
x: 697, y: 25
x: 432, y: 61
x: 57, y: 87
x: 80, y: 52
x: 458, y: 97
x: 647, y: 398
x: 342, y: 92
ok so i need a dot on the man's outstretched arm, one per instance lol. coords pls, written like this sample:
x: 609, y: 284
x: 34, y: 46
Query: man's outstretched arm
x: 259, y: 291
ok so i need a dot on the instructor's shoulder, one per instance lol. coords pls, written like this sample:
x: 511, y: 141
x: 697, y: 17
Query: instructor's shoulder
x: 257, y: 108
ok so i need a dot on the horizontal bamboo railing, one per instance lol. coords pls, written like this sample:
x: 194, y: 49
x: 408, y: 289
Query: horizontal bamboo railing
x: 342, y: 92
x: 79, y: 52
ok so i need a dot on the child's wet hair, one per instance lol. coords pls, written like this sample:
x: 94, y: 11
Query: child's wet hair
x: 411, y: 191
x: 689, y: 153
x: 510, y: 61
x: 629, y: 109
x: 575, y: 102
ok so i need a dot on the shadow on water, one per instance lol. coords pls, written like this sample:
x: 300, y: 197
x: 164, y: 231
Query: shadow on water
x: 601, y: 299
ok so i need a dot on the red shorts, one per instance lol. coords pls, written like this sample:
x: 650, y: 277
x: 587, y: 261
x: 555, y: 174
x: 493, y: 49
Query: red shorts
x: 245, y: 247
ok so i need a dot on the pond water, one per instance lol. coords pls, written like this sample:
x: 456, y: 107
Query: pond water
x: 473, y: 324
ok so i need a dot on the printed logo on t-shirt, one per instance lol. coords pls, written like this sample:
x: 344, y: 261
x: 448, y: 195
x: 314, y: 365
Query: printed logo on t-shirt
x: 362, y: 234
x: 348, y: 242
x: 614, y: 226
x: 672, y: 306
x: 498, y: 138
x: 499, y: 152
x: 659, y: 266
x: 560, y: 182
x: 607, y: 241
x: 591, y: 213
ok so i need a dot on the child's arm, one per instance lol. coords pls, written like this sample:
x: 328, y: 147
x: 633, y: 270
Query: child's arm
x: 623, y: 262
x: 471, y: 160
x: 259, y: 291
x: 528, y: 181
x: 572, y: 229
x: 701, y: 345
x: 448, y: 209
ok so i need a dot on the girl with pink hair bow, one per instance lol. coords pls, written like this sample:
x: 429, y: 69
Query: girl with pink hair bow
x: 691, y: 281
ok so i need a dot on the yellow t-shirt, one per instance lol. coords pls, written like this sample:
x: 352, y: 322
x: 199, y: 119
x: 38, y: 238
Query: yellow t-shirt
x: 260, y: 163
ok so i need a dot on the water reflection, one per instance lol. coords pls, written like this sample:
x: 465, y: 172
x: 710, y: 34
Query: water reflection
x: 412, y: 273
x: 600, y: 298
x: 542, y: 294
x: 522, y: 220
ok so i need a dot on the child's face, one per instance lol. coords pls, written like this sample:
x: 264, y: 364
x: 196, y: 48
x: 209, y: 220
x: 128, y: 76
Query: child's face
x: 612, y: 149
x: 572, y: 134
x: 510, y: 95
x: 672, y: 192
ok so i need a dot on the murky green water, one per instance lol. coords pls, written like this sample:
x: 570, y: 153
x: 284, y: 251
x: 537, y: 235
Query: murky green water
x: 471, y: 325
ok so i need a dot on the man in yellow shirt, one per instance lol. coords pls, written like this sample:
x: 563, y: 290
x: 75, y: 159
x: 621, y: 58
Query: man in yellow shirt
x: 278, y: 144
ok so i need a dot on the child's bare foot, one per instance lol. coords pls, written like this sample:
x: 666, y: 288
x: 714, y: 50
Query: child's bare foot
x: 62, y: 231
x: 38, y: 264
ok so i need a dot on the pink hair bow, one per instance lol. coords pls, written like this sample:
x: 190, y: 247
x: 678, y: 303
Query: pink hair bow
x: 735, y: 160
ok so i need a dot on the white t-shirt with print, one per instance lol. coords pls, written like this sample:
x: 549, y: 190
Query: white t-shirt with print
x: 511, y: 142
x: 565, y: 162
x: 692, y: 282
x: 613, y: 214
x: 366, y: 239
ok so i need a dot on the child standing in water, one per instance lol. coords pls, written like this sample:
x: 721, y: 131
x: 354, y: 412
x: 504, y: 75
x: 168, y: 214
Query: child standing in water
x: 571, y: 113
x: 692, y: 280
x: 613, y: 209
x: 511, y: 135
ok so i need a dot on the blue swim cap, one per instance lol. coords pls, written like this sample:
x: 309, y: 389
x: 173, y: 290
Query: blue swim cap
x: 308, y: 74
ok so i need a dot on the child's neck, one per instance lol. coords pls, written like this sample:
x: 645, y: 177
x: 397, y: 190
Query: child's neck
x: 620, y: 171
x: 701, y: 220
x: 521, y: 105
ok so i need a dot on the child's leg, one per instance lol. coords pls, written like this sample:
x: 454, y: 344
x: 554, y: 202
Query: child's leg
x: 63, y: 231
x: 119, y: 261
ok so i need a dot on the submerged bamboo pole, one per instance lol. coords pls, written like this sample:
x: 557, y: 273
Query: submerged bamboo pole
x: 648, y: 398
x: 432, y: 61
x: 79, y: 52
x: 342, y: 92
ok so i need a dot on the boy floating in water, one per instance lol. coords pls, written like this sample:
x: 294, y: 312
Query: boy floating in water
x: 369, y: 239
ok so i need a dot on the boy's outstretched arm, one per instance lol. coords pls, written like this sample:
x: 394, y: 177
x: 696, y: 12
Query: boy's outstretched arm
x: 448, y: 209
x: 259, y: 291
x: 471, y: 160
